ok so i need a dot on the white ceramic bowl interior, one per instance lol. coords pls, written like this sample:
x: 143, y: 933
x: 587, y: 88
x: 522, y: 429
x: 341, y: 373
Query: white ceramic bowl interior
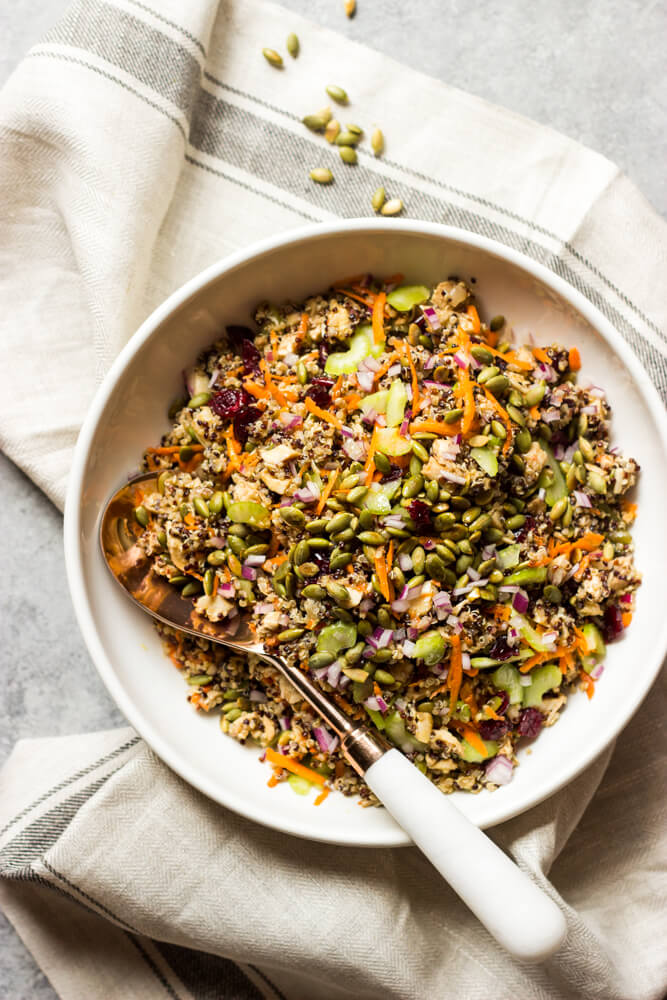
x: 129, y: 413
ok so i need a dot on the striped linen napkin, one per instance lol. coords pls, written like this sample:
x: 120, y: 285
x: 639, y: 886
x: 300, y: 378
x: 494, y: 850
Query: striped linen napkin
x: 141, y: 142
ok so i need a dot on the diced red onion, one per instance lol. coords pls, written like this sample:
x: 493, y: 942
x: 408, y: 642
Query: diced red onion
x: 356, y: 450
x: 327, y: 742
x: 461, y: 359
x: 520, y: 602
x: 343, y: 682
x: 269, y: 355
x: 499, y: 770
x: 430, y: 363
x: 597, y: 671
x: 372, y: 703
x: 394, y: 370
x: 291, y: 359
x: 558, y: 452
x: 248, y: 573
x: 394, y: 521
x: 334, y: 673
x: 346, y: 432
x: 404, y: 561
x: 590, y: 410
x: 465, y: 661
x: 366, y: 604
x: 541, y: 493
x: 453, y: 478
x: 408, y: 648
x: 431, y: 317
x: 217, y: 542
x: 428, y: 544
x: 382, y: 704
x: 549, y: 638
x: 550, y: 415
x: 582, y: 499
x: 408, y: 391
x: 488, y: 551
x: 289, y: 420
x: 626, y: 599
x: 460, y: 591
x: 442, y: 600
x: 226, y: 590
x: 264, y: 608
x: 365, y: 380
x: 214, y: 377
x: 472, y: 573
x: 308, y: 493
x: 255, y: 560
x: 285, y: 722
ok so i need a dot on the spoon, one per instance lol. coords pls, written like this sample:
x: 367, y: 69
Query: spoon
x: 519, y: 915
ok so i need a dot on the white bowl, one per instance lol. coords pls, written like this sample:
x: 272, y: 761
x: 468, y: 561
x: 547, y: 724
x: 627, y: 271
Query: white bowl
x: 129, y: 412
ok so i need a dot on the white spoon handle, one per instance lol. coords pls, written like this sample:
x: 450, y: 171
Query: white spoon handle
x: 518, y: 914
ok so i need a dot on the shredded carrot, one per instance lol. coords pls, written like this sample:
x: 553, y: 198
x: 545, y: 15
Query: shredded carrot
x: 233, y: 446
x: 352, y: 400
x: 358, y: 298
x: 385, y: 367
x: 587, y: 543
x: 414, y: 405
x: 173, y: 449
x: 472, y: 736
x: 554, y: 654
x: 541, y: 355
x: 435, y: 427
x: 512, y: 358
x: 627, y: 618
x: 321, y: 797
x: 490, y: 713
x: 322, y: 414
x: 390, y: 555
x: 303, y: 325
x: 588, y: 683
x: 574, y: 359
x: 455, y: 675
x: 273, y: 780
x: 270, y: 385
x: 381, y: 570
x: 333, y: 476
x: 534, y: 412
x: 378, y: 318
x: 566, y: 662
x: 258, y: 391
x: 280, y: 760
x: 474, y: 316
x: 189, y: 520
x: 582, y: 567
x: 336, y: 387
x: 369, y: 467
x: 504, y: 416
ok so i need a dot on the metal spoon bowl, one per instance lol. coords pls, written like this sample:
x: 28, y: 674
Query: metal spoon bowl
x: 518, y: 914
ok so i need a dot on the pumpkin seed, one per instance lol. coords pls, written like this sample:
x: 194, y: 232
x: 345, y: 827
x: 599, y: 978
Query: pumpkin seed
x: 290, y: 634
x: 377, y: 141
x: 451, y: 416
x: 141, y: 516
x: 201, y: 507
x: 378, y: 199
x: 586, y: 449
x: 552, y: 594
x: 348, y: 155
x: 371, y: 538
x: 216, y: 503
x: 337, y: 94
x: 418, y: 560
x: 273, y: 57
x: 293, y: 45
x: 190, y: 589
x: 218, y: 556
x: 435, y: 567
x: 381, y: 462
x: 350, y: 7
x: 209, y: 578
x: 292, y: 516
x: 353, y: 655
x: 347, y: 139
x: 357, y: 494
x: 497, y: 384
x: 535, y: 394
x: 321, y: 175
x: 338, y: 593
x: 392, y: 207
x: 413, y: 486
x: 162, y: 538
x: 515, y: 414
x: 338, y: 523
x: 161, y: 480
x: 314, y: 527
x: 596, y: 481
x: 332, y: 131
x: 200, y: 399
x: 316, y: 122
x: 496, y: 323
x: 420, y: 451
x: 558, y: 509
x: 306, y: 570
x: 481, y: 354
x: 523, y: 441
x: 383, y: 677
x: 301, y: 553
x: 319, y: 660
x: 490, y: 371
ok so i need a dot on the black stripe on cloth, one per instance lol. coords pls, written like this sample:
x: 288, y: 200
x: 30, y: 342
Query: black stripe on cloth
x: 169, y: 990
x: 69, y: 781
x: 208, y: 977
x: 40, y: 835
x: 130, y: 44
x: 172, y: 24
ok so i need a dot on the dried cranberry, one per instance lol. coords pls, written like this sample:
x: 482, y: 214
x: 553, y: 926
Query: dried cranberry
x: 504, y: 703
x: 530, y: 722
x: 612, y: 625
x: 237, y: 334
x: 319, y: 391
x: 394, y: 473
x: 420, y: 513
x: 250, y: 356
x: 323, y: 353
x: 242, y: 421
x: 500, y: 649
x: 227, y: 402
x: 493, y: 729
x: 526, y: 528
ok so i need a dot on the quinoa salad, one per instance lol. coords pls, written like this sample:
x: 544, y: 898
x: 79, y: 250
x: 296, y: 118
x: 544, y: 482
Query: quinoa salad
x: 424, y: 516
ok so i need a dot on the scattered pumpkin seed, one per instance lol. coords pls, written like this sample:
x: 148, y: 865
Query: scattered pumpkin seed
x: 392, y: 207
x: 350, y: 7
x: 377, y: 141
x: 348, y: 155
x: 332, y: 130
x: 337, y: 94
x: 321, y: 175
x: 378, y: 199
x: 293, y: 45
x: 273, y: 57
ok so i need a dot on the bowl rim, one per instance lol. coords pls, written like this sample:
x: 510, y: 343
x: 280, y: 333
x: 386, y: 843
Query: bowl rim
x: 73, y: 544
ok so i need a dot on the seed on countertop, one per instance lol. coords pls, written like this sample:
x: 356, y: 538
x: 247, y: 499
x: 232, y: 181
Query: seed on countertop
x: 378, y: 199
x: 273, y: 57
x: 347, y: 139
x: 355, y: 130
x: 377, y: 141
x: 293, y: 45
x: 316, y: 122
x: 392, y: 207
x: 337, y: 94
x: 348, y: 155
x: 350, y: 7
x: 321, y: 175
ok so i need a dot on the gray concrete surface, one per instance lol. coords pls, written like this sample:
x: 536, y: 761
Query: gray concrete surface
x: 593, y: 70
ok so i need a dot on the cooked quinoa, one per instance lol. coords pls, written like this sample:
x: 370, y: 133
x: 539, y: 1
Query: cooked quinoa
x: 426, y: 518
